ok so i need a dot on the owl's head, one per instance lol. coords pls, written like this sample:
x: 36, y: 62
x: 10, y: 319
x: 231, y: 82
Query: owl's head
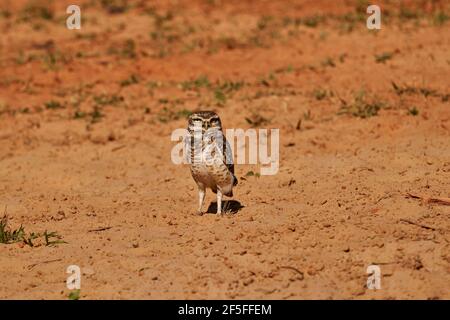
x: 204, y: 120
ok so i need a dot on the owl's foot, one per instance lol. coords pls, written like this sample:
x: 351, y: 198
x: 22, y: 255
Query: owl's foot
x: 201, y: 199
x: 219, y: 203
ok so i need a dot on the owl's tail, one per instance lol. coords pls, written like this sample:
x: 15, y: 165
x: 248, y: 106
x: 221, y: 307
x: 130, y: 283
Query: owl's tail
x: 230, y: 192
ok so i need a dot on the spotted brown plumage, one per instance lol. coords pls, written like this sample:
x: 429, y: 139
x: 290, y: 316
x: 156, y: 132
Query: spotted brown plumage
x: 210, y: 157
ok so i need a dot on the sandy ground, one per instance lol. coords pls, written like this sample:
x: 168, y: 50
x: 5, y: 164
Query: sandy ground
x: 85, y: 124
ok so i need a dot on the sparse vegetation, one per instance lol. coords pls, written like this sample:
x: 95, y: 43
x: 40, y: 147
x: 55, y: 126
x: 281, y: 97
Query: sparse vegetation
x: 312, y: 21
x: 53, y: 59
x: 74, y: 295
x: 35, y: 11
x: 9, y: 236
x: 5, y: 13
x: 413, y: 111
x: 115, y: 6
x: 168, y: 114
x: 383, y: 57
x: 108, y: 99
x: 440, y: 18
x: 132, y: 79
x: 126, y: 50
x: 53, y: 105
x: 407, y: 14
x: 252, y: 174
x: 196, y: 84
x: 256, y: 120
x: 220, y: 90
x: 328, y: 62
x: 361, y: 106
x: 320, y: 94
x: 96, y: 115
x: 426, y: 92
x: 220, y: 96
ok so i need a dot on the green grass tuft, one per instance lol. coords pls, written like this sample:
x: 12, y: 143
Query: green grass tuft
x: 9, y: 236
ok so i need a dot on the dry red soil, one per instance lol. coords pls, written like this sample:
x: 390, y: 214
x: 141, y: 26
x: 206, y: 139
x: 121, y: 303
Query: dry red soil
x: 85, y: 151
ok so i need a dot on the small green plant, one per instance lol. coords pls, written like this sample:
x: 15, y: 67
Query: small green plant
x: 4, y: 107
x: 320, y: 94
x: 35, y: 11
x: 126, y: 50
x: 413, y: 111
x: 256, y: 120
x: 288, y: 69
x: 96, y: 115
x: 129, y: 49
x: 229, y: 86
x: 166, y: 114
x: 267, y: 80
x: 8, y: 236
x: 184, y: 113
x: 382, y: 58
x: 74, y: 295
x: 133, y: 79
x: 407, y: 14
x: 153, y: 85
x: 22, y: 58
x: 106, y: 99
x: 79, y: 114
x: 440, y: 18
x: 328, y: 62
x: 264, y: 22
x: 361, y: 5
x: 115, y: 6
x: 200, y: 82
x: 53, y: 105
x: 361, y: 107
x: 307, y: 115
x: 426, y: 92
x: 52, y: 60
x: 220, y: 97
x: 220, y: 90
x: 5, y: 13
x: 252, y: 174
x: 312, y: 21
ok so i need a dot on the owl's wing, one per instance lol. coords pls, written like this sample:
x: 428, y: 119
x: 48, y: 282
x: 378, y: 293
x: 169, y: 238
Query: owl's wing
x: 187, y: 148
x: 228, y: 153
x: 228, y: 158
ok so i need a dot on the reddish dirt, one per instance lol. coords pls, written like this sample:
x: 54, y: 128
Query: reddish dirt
x: 85, y: 149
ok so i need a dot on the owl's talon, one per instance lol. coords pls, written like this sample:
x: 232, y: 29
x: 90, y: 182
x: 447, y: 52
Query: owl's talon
x: 199, y: 213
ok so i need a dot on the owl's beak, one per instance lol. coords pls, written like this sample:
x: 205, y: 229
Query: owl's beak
x: 206, y: 125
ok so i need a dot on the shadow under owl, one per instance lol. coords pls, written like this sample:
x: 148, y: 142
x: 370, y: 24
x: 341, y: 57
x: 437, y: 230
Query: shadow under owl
x: 228, y: 207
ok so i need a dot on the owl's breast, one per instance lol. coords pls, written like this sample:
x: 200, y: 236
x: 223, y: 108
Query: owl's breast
x: 202, y: 175
x: 208, y: 165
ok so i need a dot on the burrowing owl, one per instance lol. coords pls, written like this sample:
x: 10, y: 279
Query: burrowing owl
x: 210, y: 157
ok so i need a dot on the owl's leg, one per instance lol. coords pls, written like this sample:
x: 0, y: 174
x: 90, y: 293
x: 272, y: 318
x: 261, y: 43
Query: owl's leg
x: 219, y: 202
x: 201, y: 199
